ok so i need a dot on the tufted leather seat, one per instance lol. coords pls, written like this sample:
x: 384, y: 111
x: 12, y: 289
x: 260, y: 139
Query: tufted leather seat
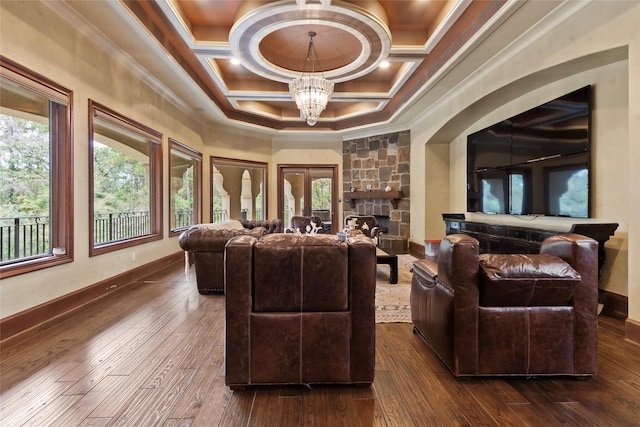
x: 300, y: 309
x: 510, y: 314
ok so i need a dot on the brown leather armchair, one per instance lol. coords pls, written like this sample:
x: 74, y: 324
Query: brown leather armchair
x: 301, y: 223
x: 300, y: 309
x: 510, y: 314
x: 205, y: 248
x: 365, y: 223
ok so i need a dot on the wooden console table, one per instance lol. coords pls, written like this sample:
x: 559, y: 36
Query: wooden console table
x: 503, y: 238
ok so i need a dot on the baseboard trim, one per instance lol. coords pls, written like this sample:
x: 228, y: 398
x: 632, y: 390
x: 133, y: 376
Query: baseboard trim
x: 632, y: 330
x: 27, y: 319
x: 416, y: 249
x: 615, y: 305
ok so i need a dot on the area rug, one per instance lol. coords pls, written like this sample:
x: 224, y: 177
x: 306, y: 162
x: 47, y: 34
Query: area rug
x: 392, y: 301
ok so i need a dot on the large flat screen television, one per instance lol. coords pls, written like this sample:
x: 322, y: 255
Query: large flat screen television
x: 535, y: 163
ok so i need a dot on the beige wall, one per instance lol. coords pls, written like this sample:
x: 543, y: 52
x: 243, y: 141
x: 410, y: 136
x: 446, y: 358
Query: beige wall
x: 302, y: 149
x: 74, y: 62
x: 594, y: 43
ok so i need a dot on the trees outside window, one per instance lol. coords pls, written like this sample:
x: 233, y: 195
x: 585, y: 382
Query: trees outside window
x: 125, y: 181
x: 36, y: 175
x: 185, y: 191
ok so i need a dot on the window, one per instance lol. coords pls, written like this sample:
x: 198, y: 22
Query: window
x: 185, y: 184
x: 36, y: 171
x: 238, y: 189
x: 125, y: 161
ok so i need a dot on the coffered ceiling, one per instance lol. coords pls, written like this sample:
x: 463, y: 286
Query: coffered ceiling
x: 378, y: 53
x: 242, y: 54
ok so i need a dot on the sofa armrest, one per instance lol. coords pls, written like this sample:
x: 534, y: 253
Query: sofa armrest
x: 458, y: 269
x: 582, y: 254
x: 362, y: 288
x: 238, y: 276
x: 426, y: 268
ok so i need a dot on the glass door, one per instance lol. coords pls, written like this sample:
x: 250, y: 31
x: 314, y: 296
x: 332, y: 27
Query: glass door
x: 308, y: 190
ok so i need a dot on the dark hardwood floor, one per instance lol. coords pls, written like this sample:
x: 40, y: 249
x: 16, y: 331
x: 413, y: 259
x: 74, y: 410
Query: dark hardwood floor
x: 152, y: 354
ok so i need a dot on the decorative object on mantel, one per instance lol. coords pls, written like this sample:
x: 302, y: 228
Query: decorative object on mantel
x: 393, y: 196
x: 387, y: 188
x: 311, y: 90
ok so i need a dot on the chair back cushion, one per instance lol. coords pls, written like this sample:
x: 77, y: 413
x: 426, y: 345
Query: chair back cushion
x: 526, y: 280
x: 300, y: 273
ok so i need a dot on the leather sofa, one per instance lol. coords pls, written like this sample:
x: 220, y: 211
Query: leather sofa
x: 300, y: 309
x: 205, y: 244
x: 510, y: 314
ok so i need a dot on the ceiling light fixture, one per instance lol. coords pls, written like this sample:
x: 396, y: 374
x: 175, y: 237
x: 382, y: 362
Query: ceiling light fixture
x: 311, y: 91
x: 306, y: 2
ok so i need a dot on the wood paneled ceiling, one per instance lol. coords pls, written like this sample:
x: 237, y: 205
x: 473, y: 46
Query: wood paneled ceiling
x: 379, y: 54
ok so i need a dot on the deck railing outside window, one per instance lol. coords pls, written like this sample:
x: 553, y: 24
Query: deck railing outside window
x: 110, y: 227
x: 29, y: 236
x: 219, y: 215
x: 24, y: 237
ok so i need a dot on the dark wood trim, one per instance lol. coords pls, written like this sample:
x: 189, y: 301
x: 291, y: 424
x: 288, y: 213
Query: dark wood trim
x: 416, y: 249
x: 615, y: 305
x: 61, y: 164
x: 196, y: 157
x: 335, y: 223
x: 632, y: 330
x: 156, y: 231
x: 20, y: 322
x: 393, y: 196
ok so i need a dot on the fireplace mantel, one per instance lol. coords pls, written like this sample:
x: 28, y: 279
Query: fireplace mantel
x: 392, y: 196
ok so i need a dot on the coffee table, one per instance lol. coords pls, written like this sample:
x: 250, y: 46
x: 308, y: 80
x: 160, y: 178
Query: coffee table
x: 391, y: 260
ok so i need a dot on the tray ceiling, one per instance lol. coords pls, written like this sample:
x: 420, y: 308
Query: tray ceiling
x: 378, y: 53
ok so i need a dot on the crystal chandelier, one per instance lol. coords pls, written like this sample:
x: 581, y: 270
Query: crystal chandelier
x: 311, y: 91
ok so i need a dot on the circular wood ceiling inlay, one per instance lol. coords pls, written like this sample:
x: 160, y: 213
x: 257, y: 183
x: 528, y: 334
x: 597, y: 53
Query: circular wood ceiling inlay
x: 272, y: 40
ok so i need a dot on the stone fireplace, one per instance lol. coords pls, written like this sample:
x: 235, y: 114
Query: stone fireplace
x: 375, y: 163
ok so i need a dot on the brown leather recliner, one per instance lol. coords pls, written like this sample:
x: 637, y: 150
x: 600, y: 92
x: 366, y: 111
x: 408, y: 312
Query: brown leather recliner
x: 205, y: 248
x: 300, y: 309
x: 510, y: 314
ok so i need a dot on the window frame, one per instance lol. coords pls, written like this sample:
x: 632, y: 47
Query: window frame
x: 61, y: 175
x: 155, y: 180
x: 197, y: 183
